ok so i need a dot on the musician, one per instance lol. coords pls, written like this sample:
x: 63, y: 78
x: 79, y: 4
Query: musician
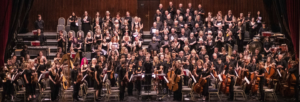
x: 73, y: 22
x: 295, y: 70
x: 88, y: 42
x: 257, y: 55
x: 39, y: 23
x: 25, y: 51
x: 231, y: 74
x: 98, y: 79
x: 55, y: 76
x: 201, y: 12
x: 8, y: 88
x: 130, y: 74
x: 171, y: 9
x: 122, y: 79
x: 148, y: 73
x: 239, y: 35
x: 74, y: 75
x: 138, y: 71
x: 228, y: 19
x: 252, y: 28
x: 261, y: 75
x: 281, y: 63
x: 178, y: 72
x: 86, y: 26
x: 41, y: 69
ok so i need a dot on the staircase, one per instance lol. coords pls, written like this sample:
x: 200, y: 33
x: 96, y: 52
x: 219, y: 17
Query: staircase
x: 147, y: 38
x: 50, y: 45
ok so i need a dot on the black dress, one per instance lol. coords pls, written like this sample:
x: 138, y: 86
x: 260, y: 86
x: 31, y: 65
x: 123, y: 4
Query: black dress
x: 54, y: 87
x: 89, y: 46
x: 86, y: 26
x: 70, y: 41
x: 205, y: 73
x: 177, y: 94
x: 29, y: 88
x: 130, y: 84
x: 73, y: 25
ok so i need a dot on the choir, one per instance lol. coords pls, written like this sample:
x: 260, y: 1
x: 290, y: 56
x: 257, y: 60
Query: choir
x: 186, y: 45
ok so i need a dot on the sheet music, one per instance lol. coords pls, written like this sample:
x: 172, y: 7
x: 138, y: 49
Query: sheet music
x: 104, y: 77
x: 84, y: 77
x: 236, y: 73
x: 278, y: 72
x: 186, y: 72
x: 194, y: 79
x: 40, y: 77
x: 153, y: 30
x: 153, y: 75
x: 212, y: 75
x: 130, y: 78
x: 166, y: 79
x: 248, y: 82
x: 220, y: 77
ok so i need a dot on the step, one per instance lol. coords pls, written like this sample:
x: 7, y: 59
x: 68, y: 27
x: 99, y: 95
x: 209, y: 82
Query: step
x: 146, y: 41
x: 29, y: 36
x: 51, y: 42
x: 146, y: 35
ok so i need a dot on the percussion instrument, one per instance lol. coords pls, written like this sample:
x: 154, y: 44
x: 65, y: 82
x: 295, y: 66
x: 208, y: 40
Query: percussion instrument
x: 255, y: 45
x: 266, y: 34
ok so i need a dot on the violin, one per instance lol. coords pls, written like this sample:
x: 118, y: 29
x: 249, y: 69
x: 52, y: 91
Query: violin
x: 34, y: 77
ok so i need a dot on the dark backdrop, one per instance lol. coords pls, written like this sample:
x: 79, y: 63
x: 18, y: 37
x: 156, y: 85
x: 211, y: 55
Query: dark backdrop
x: 51, y: 10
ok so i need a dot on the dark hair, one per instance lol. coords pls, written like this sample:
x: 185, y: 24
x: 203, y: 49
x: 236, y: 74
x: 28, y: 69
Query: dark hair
x: 76, y: 64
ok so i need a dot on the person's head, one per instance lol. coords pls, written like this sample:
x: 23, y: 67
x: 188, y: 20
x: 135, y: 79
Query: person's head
x: 147, y: 59
x: 160, y: 6
x: 39, y: 17
x: 181, y: 53
x: 199, y: 6
x: 171, y: 3
x: 252, y: 19
x: 258, y: 13
x: 157, y: 11
x: 229, y: 12
x: 127, y: 13
x: 157, y: 18
x: 180, y: 5
x: 187, y: 11
x: 85, y: 13
x: 180, y: 18
x: 107, y: 13
x: 215, y: 56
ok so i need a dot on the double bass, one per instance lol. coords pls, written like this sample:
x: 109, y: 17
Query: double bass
x: 174, y: 79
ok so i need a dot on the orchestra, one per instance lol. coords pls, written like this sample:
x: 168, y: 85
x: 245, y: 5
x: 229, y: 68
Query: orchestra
x: 184, y: 46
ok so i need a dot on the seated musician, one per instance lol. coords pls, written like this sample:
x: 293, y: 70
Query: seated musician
x: 41, y: 56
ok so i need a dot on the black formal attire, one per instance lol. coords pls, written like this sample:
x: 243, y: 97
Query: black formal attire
x: 73, y: 24
x: 54, y: 87
x: 261, y: 83
x: 76, y: 86
x: 148, y: 75
x: 178, y: 94
x: 86, y: 26
x: 122, y: 73
x: 295, y: 70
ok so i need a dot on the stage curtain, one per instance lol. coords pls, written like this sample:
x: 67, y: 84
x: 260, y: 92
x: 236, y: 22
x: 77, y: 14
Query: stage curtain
x: 292, y: 7
x: 5, y: 14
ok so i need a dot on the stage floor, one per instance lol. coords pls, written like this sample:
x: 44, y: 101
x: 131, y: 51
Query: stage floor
x: 164, y: 98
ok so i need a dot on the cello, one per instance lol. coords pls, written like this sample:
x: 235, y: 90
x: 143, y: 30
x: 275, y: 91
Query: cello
x: 255, y: 82
x: 270, y: 71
